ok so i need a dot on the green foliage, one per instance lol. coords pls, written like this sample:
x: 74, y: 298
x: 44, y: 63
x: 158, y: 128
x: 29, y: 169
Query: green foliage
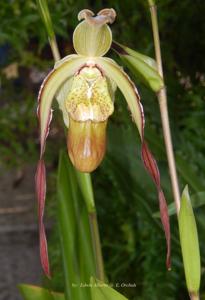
x: 189, y: 244
x: 102, y: 291
x: 74, y: 232
x: 30, y: 292
x: 141, y: 65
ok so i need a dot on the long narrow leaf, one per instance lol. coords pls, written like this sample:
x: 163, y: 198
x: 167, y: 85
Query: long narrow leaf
x: 189, y: 244
x: 44, y: 11
x: 31, y: 292
x: 197, y: 200
x: 75, y: 236
x: 141, y: 65
x: 101, y: 291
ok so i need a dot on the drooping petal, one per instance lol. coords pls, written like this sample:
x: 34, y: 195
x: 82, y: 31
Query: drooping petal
x: 151, y: 166
x: 41, y: 192
x: 128, y: 89
x: 51, y: 84
x: 62, y: 71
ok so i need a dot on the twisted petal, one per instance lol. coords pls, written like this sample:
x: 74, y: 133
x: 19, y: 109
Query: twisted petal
x: 132, y: 97
x: 49, y: 88
x: 41, y: 192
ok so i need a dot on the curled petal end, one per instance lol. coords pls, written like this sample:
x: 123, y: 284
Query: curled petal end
x: 104, y: 16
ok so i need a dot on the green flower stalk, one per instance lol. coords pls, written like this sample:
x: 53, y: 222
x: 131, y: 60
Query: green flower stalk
x: 84, y: 85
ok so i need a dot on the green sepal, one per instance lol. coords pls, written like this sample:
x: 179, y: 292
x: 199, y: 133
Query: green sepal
x: 92, y: 40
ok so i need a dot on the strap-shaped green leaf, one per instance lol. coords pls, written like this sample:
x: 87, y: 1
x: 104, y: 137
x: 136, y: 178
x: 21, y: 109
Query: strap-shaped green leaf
x: 102, y: 291
x: 189, y: 244
x: 197, y: 200
x: 31, y: 292
x: 76, y: 245
x: 44, y: 11
x: 140, y: 64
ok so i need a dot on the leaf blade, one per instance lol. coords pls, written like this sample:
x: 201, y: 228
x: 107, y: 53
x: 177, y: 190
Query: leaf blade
x: 31, y: 292
x: 189, y: 243
x: 141, y: 64
x: 102, y: 291
x: 74, y: 232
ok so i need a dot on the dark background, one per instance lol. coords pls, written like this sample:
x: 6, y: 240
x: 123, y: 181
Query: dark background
x: 132, y: 238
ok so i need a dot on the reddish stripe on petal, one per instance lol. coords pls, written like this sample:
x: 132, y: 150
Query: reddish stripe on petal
x: 151, y: 166
x: 149, y: 161
x: 40, y: 180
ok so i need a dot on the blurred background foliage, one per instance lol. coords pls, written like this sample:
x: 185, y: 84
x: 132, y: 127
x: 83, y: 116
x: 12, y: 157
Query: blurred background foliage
x: 132, y: 238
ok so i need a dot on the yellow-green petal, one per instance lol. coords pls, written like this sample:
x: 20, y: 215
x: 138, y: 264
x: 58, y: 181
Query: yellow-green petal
x: 127, y: 87
x: 48, y: 90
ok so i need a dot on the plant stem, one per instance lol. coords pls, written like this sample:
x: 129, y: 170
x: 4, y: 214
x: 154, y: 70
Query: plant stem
x: 162, y: 99
x: 194, y: 296
x: 85, y: 184
x: 96, y: 246
x: 54, y: 49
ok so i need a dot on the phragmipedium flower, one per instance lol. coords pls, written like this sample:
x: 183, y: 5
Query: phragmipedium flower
x: 84, y: 85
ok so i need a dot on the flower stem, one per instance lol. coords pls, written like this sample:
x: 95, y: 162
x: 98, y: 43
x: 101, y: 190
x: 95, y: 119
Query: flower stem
x: 194, y: 296
x: 96, y: 246
x: 46, y: 18
x: 162, y: 99
x: 85, y: 184
x: 54, y: 49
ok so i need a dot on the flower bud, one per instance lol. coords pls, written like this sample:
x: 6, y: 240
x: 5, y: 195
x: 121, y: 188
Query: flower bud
x: 86, y: 144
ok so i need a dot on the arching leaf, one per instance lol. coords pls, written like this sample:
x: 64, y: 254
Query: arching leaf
x: 140, y: 64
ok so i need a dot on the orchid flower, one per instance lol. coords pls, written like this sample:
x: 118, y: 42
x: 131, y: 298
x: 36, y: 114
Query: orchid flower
x: 84, y: 85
